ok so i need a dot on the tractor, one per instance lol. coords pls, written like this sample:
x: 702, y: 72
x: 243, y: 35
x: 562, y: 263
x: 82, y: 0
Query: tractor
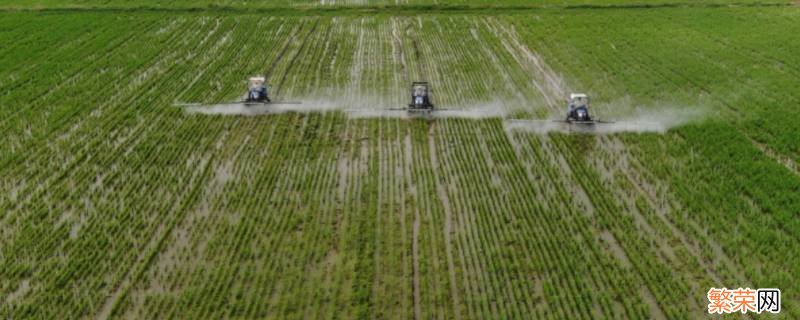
x: 420, y: 98
x: 578, y: 109
x: 257, y: 91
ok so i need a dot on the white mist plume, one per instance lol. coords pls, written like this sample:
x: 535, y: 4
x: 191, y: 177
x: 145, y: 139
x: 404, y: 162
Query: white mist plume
x: 493, y: 109
x: 363, y: 107
x: 625, y: 117
x: 240, y: 109
x: 656, y: 120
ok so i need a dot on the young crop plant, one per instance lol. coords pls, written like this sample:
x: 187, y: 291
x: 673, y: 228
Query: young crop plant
x: 117, y: 201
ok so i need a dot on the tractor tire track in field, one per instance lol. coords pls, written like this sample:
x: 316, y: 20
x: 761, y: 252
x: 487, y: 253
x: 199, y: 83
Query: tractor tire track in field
x: 635, y: 178
x: 617, y: 172
x: 553, y: 89
x: 357, y: 68
x: 786, y: 161
x: 540, y: 167
x: 292, y: 62
x: 444, y: 199
x: 415, y: 249
x: 665, y: 76
x: 661, y: 203
x: 380, y: 151
x: 399, y: 54
x: 549, y: 83
x: 561, y: 148
x: 408, y: 160
x: 409, y: 197
x: 508, y: 213
x: 286, y: 44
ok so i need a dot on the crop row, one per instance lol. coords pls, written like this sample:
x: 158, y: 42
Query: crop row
x: 691, y: 64
x: 117, y: 204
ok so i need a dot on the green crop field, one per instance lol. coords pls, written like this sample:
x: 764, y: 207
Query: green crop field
x: 115, y: 203
x: 249, y: 5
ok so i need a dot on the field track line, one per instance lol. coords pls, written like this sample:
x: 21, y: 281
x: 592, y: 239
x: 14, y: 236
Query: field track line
x: 381, y: 146
x: 448, y: 220
x: 408, y: 161
x: 553, y: 88
x: 304, y: 42
x: 786, y: 161
x: 285, y: 47
x: 407, y: 170
x: 648, y: 189
x: 622, y: 167
x: 415, y: 250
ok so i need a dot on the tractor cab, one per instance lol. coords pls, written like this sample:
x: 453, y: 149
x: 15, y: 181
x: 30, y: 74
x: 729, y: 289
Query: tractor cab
x: 578, y: 108
x: 257, y: 90
x: 420, y: 97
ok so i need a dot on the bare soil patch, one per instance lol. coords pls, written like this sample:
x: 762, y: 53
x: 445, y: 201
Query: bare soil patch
x: 23, y: 288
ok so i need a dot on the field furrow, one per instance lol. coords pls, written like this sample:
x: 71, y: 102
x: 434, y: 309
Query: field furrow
x: 116, y: 203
